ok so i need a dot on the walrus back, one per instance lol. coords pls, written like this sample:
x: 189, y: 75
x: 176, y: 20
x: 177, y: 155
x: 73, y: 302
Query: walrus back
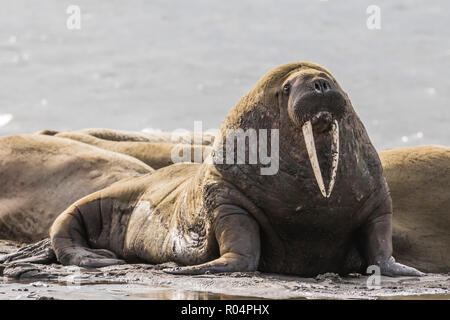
x: 419, y: 181
x: 42, y: 175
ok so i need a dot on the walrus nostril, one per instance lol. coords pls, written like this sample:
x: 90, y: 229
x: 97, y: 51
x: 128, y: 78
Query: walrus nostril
x: 322, y: 86
x: 317, y: 86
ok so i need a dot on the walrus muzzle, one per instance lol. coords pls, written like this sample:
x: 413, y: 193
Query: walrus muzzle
x: 308, y: 135
x: 316, y: 105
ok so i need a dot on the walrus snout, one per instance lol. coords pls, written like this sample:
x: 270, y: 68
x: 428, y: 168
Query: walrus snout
x: 322, y: 86
x: 316, y: 104
x: 319, y: 97
x: 322, y: 122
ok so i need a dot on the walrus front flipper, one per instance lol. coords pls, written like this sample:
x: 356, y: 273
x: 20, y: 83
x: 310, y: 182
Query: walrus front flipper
x: 377, y: 235
x: 88, y: 258
x: 239, y: 245
x: 395, y: 269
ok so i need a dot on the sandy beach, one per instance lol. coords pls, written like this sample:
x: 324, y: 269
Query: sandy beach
x: 143, y: 281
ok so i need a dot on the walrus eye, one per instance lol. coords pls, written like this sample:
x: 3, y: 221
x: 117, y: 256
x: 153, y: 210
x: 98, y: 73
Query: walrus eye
x: 287, y: 87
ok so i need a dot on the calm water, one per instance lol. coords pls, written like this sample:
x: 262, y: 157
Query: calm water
x: 147, y: 64
x: 106, y: 290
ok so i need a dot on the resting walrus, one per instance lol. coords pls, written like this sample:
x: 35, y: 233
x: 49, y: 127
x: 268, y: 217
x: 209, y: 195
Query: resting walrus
x: 419, y: 181
x: 41, y: 176
x: 325, y: 207
x: 154, y: 149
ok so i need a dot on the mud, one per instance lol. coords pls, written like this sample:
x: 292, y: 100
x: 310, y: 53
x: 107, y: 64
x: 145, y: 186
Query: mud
x: 142, y: 281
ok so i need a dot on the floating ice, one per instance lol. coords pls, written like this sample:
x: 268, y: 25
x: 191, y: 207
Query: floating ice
x: 414, y: 137
x: 5, y: 119
x: 151, y: 130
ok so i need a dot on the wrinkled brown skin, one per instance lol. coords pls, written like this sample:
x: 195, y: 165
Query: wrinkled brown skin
x: 226, y: 218
x: 41, y: 176
x: 419, y: 181
x: 415, y: 176
x: 154, y: 149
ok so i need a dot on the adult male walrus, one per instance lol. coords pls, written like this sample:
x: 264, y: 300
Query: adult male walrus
x: 327, y: 208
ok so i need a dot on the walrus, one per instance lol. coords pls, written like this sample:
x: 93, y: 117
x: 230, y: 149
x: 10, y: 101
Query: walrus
x: 325, y: 208
x: 419, y: 182
x: 42, y: 175
x: 153, y: 148
x: 418, y: 179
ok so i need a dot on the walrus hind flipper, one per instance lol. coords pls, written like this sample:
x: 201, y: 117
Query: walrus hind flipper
x: 40, y: 252
x: 83, y: 220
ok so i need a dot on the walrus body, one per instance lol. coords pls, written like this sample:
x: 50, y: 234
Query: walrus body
x: 41, y: 176
x: 327, y: 208
x: 419, y: 181
x: 154, y: 149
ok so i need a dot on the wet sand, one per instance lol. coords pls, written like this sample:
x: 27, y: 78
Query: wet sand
x: 143, y: 281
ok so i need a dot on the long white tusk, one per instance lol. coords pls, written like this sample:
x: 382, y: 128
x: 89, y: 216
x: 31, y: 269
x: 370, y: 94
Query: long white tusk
x: 335, y: 155
x: 311, y: 148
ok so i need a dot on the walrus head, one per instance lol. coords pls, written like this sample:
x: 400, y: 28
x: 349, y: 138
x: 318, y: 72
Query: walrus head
x: 315, y: 119
x: 315, y: 103
x: 327, y: 164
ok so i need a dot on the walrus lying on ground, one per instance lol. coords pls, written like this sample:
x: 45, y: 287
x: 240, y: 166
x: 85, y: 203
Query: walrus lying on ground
x: 419, y: 181
x: 326, y: 207
x: 418, y: 178
x: 154, y: 149
x: 41, y: 175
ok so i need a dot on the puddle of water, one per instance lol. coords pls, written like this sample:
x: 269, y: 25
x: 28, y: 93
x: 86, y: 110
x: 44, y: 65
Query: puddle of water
x: 137, y: 290
x: 173, y: 294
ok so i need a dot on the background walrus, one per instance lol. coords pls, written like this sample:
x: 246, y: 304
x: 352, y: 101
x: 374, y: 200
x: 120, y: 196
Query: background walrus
x: 154, y: 149
x: 41, y: 175
x: 419, y: 181
x: 327, y: 208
